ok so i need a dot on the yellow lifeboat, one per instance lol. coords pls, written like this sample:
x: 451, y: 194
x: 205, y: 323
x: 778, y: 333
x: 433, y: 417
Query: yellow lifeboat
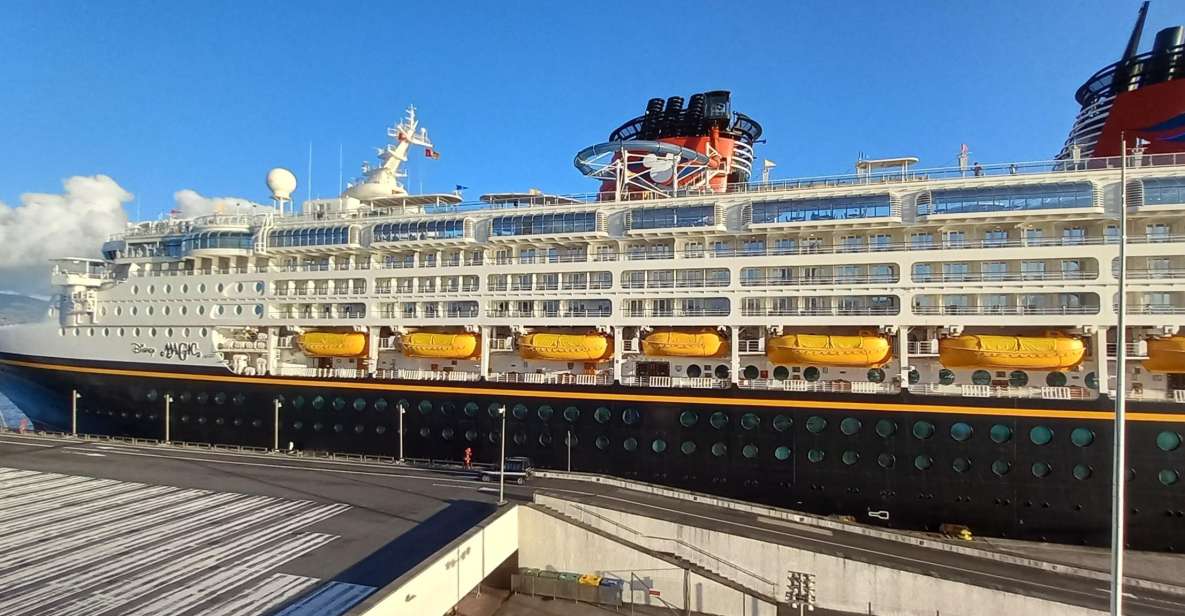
x: 327, y: 344
x: 864, y: 350
x: 1050, y: 352
x: 441, y: 345
x: 566, y: 347
x: 684, y: 344
x: 1166, y: 354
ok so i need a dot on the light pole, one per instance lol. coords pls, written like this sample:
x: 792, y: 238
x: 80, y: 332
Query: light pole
x: 568, y: 441
x: 168, y: 409
x: 1119, y: 461
x: 502, y: 475
x: 276, y: 425
x: 74, y: 396
x: 402, y: 410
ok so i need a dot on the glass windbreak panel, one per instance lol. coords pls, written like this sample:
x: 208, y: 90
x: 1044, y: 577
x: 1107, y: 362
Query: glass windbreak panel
x: 284, y: 238
x: 831, y: 208
x: 419, y: 230
x: 1009, y: 198
x: 1164, y: 191
x: 539, y: 224
x: 209, y: 240
x: 673, y: 217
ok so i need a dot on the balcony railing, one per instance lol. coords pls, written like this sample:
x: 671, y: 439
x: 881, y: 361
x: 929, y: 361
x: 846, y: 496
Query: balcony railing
x: 551, y: 378
x: 857, y: 387
x: 676, y: 313
x: 1005, y: 276
x: 751, y: 347
x: 836, y: 279
x: 1009, y: 310
x: 824, y: 311
x: 428, y: 375
x: 677, y: 382
x: 995, y: 391
x: 918, y: 348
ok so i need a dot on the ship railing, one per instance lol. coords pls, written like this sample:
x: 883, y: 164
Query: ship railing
x: 751, y: 346
x: 389, y: 344
x: 1135, y: 349
x: 242, y: 345
x: 1158, y: 274
x: 428, y: 375
x: 855, y: 387
x: 631, y: 345
x: 560, y: 378
x: 1173, y: 395
x: 787, y: 281
x: 1179, y: 395
x: 320, y: 373
x: 286, y: 342
x: 502, y: 344
x: 998, y: 391
x: 922, y: 347
x: 1004, y: 276
x: 974, y: 310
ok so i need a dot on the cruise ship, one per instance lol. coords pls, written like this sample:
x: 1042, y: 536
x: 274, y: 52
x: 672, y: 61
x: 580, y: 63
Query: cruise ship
x: 909, y: 347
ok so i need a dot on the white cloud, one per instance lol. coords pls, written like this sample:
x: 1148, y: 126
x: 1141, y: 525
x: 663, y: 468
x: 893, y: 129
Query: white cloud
x: 44, y: 226
x: 191, y: 204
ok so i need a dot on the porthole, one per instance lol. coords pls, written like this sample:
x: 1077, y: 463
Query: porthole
x: 219, y: 398
x: 317, y: 427
x: 319, y: 403
x: 1056, y: 379
x: 202, y: 288
x: 446, y: 408
x: 1018, y: 378
x: 981, y: 377
x: 886, y: 460
x: 470, y: 408
x: 571, y: 414
x: 544, y: 412
x: 519, y: 438
x: 359, y: 404
x: 815, y: 455
x: 201, y: 310
x: 1040, y: 435
x: 447, y: 433
x: 1082, y: 437
x: 494, y: 409
x: 184, y: 311
x: 425, y: 432
x: 721, y: 372
x: 751, y: 372
x: 571, y: 440
x: 946, y: 376
x: 602, y: 443
x: 1091, y: 380
x: 1082, y: 472
x: 238, y: 310
x: 850, y: 457
x: 106, y: 332
x: 688, y: 419
x: 258, y: 310
x: 134, y: 310
x: 493, y: 438
x: 185, y: 396
x: 1000, y: 433
x: 602, y: 415
x: 811, y: 373
x: 185, y: 288
x: 135, y: 332
x: 239, y: 287
x: 694, y: 371
x: 1001, y: 467
x: 1041, y: 469
x: 202, y: 420
x: 359, y: 428
x: 630, y: 416
x: 961, y: 431
x: 886, y: 428
x: 782, y: 423
x: 425, y: 407
x: 658, y: 445
x: 876, y: 375
x: 718, y: 420
x: 815, y: 424
x: 297, y: 425
x: 782, y: 453
x: 471, y: 435
x: 381, y: 405
x: 750, y: 421
x: 545, y: 439
x: 1168, y: 476
x: 238, y: 399
x: 688, y: 448
x: 1168, y: 441
x: 750, y: 451
x: 914, y: 376
x: 849, y: 426
x: 630, y: 444
x: 383, y: 430
x: 119, y: 311
x: 719, y: 449
x: 961, y: 465
x: 519, y: 412
x: 923, y: 430
x: 298, y: 402
x: 781, y: 373
x: 152, y: 395
x: 165, y: 310
x: 923, y: 462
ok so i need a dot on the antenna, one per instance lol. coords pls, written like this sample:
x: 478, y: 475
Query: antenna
x: 1133, y: 42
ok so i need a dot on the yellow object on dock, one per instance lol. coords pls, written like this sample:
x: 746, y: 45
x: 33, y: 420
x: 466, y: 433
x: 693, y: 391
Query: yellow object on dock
x: 441, y: 345
x: 864, y: 350
x: 1050, y: 352
x: 565, y: 347
x: 684, y: 344
x: 329, y: 344
x: 1166, y: 354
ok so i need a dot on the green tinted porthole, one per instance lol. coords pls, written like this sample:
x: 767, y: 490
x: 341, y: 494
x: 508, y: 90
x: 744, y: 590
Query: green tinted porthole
x: 751, y: 372
x: 876, y: 375
x: 1168, y: 441
x: 850, y: 457
x: 630, y: 444
x: 1018, y: 378
x: 470, y: 435
x: 519, y: 412
x: 1056, y: 379
x: 602, y: 443
x: 658, y: 445
x: 750, y: 421
x: 1168, y: 476
x: 630, y: 416
x: 961, y: 465
x: 688, y: 419
x: 719, y: 449
x: 319, y: 403
x: 545, y: 412
x: 1041, y: 469
x: 403, y: 404
x: 1041, y: 435
x: 923, y: 462
x: 782, y: 423
x: 571, y: 414
x: 849, y: 426
x: 220, y: 398
x: 493, y: 438
x: 815, y: 424
x: 886, y: 460
x: 447, y: 408
x: 494, y: 409
x: 152, y: 395
x: 359, y: 404
x: 961, y: 431
x: 425, y: 407
x: 1082, y: 437
x: 688, y: 448
x: 544, y: 440
x: 425, y: 432
x: 571, y: 440
x: 782, y: 453
x: 946, y: 376
x: 339, y: 404
x: 923, y: 430
x: 1082, y: 472
x: 520, y: 438
x: 298, y: 402
x: 718, y: 420
x: 602, y: 415
x: 815, y: 455
x: 1001, y: 467
x: 811, y: 374
x: 750, y: 451
x: 914, y: 376
x: 447, y: 434
x: 981, y: 377
x: 1091, y: 380
x: 886, y: 428
x: 781, y: 373
x: 1000, y: 433
x: 470, y: 408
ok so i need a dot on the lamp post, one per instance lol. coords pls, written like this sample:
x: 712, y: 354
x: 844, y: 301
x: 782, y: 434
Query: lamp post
x: 168, y: 409
x: 502, y: 475
x: 401, y: 412
x: 1119, y: 461
x: 276, y: 424
x: 74, y: 396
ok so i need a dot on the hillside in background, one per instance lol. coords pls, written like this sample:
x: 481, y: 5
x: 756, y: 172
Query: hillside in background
x: 21, y: 309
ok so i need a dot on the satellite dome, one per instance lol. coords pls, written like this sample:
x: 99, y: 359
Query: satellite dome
x: 281, y: 182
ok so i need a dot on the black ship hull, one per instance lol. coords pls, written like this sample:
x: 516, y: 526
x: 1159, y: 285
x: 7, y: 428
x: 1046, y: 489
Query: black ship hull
x: 1020, y: 468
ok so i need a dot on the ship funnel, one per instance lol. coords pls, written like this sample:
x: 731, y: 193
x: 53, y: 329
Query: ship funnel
x: 1167, y: 63
x: 651, y: 119
x: 671, y: 117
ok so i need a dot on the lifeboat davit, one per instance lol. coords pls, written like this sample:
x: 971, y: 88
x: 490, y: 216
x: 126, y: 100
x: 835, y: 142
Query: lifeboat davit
x: 1050, y: 352
x: 565, y: 347
x: 1166, y: 354
x: 684, y: 344
x: 861, y: 351
x: 441, y: 345
x: 328, y: 344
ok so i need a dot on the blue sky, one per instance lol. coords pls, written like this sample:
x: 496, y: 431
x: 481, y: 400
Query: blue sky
x: 208, y: 96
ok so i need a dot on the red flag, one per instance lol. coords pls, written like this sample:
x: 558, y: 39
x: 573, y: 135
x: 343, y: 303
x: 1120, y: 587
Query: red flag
x: 430, y: 153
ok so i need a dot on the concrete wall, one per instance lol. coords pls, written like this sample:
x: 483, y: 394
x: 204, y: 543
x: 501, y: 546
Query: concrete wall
x: 448, y: 575
x: 550, y: 543
x: 842, y: 584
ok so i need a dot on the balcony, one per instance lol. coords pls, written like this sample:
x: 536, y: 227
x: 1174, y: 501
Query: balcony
x: 751, y: 346
x: 798, y: 281
x: 677, y: 382
x: 559, y: 378
x: 922, y: 348
x: 428, y: 375
x: 820, y: 311
x: 1004, y: 277
x: 846, y: 387
x: 677, y: 313
x: 994, y: 391
x: 1005, y: 310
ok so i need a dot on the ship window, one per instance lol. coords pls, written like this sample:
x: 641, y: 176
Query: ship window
x: 297, y: 402
x: 886, y: 460
x: 850, y: 457
x: 961, y: 431
x: 694, y: 371
x: 811, y: 373
x: 751, y: 372
x: 602, y: 415
x: 1008, y: 198
x: 1082, y: 437
x: 914, y: 376
x: 961, y: 465
x: 470, y: 408
x: 339, y: 404
x: 721, y: 371
x: 876, y: 375
x: 849, y: 426
x: 519, y: 438
x: 545, y: 412
x: 545, y: 439
x: 602, y: 443
x: 1041, y: 435
x: 1164, y: 191
x: 923, y: 462
x: 719, y: 449
x: 923, y: 430
x: 781, y: 373
x: 688, y: 418
x: 571, y: 414
x: 1041, y: 469
x: 360, y: 404
x: 519, y: 412
x: 470, y: 435
x: 673, y: 217
x: 658, y: 445
x: 1082, y: 472
x: 815, y: 424
x: 1056, y: 379
x: 1168, y: 441
x: 718, y: 420
x: 1001, y: 467
x: 425, y: 407
x: 492, y: 437
x: 630, y: 416
x: 750, y: 451
x: 981, y: 377
x: 630, y: 444
x: 946, y: 376
x: 1000, y: 433
x: 782, y: 423
x: 830, y: 208
x: 750, y: 421
x: 1018, y: 378
x: 815, y: 455
x: 1168, y: 476
x: 220, y: 398
x: 885, y: 428
x: 571, y: 440
x: 319, y: 403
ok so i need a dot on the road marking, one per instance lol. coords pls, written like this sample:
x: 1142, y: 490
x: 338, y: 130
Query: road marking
x: 88, y: 453
x: 263, y: 597
x: 25, y: 443
x: 795, y: 526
